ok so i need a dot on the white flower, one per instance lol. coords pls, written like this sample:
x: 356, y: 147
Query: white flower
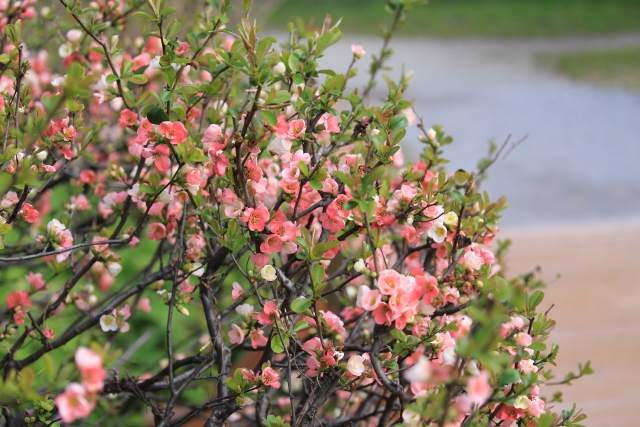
x: 438, y: 232
x: 364, y: 290
x: 281, y: 146
x: 195, y: 268
x: 355, y: 366
x: 472, y: 261
x: 426, y: 309
x: 431, y: 134
x: 419, y: 372
x: 54, y: 227
x: 411, y: 418
x: 449, y: 356
x: 102, y: 83
x: 155, y: 63
x: 359, y: 265
x: 108, y: 323
x: 42, y: 155
x: 244, y: 309
x: 279, y: 69
x: 59, y: 81
x: 114, y: 268
x: 65, y: 50
x: 268, y: 273
x: 451, y: 218
x: 165, y: 196
x: 522, y: 402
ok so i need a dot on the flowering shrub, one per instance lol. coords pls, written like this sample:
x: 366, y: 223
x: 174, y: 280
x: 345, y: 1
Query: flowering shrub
x: 216, y: 229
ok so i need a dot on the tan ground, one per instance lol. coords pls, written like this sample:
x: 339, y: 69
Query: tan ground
x: 597, y: 307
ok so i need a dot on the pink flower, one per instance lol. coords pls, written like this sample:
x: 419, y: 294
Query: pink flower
x: 18, y: 299
x: 536, y: 407
x: 371, y: 300
x: 389, y: 281
x: 91, y: 370
x: 313, y: 365
x: 219, y: 161
x: 160, y: 156
x: 478, y: 388
x: 236, y: 334
x: 332, y: 223
x: 175, y: 132
x: 146, y: 132
x: 272, y: 243
x: 509, y: 413
x: 270, y: 378
x: 213, y: 135
x: 523, y: 339
x: 127, y: 118
x: 358, y: 51
x: 237, y: 291
x: 48, y: 332
x: 157, y: 231
x: 296, y: 129
x: 257, y: 338
x: 286, y: 230
x: 269, y: 315
x: 73, y: 404
x: 29, y: 213
x: 145, y: 305
x: 35, y: 280
x: 312, y: 345
x: 256, y: 218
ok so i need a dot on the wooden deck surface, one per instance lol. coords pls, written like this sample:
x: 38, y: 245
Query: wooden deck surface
x: 597, y: 307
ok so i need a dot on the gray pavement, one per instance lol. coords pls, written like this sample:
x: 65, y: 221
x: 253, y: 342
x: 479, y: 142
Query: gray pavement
x: 580, y: 161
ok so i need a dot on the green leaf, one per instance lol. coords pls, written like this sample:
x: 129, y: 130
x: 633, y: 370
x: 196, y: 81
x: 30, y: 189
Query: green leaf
x: 281, y: 96
x: 508, y: 376
x: 87, y: 156
x: 157, y: 115
x: 277, y: 345
x: 300, y: 326
x: 317, y: 274
x: 300, y: 305
x: 399, y: 121
x: 173, y: 28
x: 328, y: 39
x: 535, y: 299
x: 316, y: 185
x: 138, y: 79
x: 111, y: 78
x: 269, y: 117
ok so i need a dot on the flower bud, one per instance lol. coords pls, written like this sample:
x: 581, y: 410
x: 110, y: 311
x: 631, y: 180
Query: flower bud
x: 359, y: 265
x: 279, y: 69
x: 114, y: 268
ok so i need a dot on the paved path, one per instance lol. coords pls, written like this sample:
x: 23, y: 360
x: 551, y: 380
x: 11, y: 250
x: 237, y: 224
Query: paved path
x: 580, y: 162
x: 596, y: 306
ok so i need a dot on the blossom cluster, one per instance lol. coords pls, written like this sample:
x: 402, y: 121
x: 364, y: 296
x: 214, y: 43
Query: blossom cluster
x: 215, y: 188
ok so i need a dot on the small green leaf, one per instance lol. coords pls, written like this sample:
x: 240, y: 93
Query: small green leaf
x: 508, y: 376
x: 300, y: 326
x: 300, y: 305
x: 157, y: 115
x: 138, y: 79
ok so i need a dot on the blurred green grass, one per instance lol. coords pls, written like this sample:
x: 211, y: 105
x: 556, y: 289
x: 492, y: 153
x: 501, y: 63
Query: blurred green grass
x: 619, y: 67
x: 469, y: 18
